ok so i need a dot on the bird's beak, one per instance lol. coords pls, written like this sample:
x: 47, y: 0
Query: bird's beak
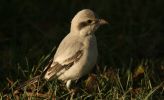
x: 103, y: 22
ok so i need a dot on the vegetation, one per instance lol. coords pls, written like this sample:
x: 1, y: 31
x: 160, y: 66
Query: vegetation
x: 131, y: 51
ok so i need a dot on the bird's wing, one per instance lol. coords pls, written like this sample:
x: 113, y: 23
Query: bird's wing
x: 69, y: 52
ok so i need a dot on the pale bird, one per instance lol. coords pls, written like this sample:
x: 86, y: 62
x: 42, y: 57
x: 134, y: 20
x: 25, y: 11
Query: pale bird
x: 77, y: 53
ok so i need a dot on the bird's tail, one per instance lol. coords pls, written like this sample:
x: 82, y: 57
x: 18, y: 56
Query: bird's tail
x: 29, y: 82
x: 37, y: 79
x: 37, y: 82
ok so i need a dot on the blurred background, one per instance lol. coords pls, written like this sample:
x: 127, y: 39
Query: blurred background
x: 30, y: 29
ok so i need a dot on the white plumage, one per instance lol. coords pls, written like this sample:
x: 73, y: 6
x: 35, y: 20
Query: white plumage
x: 77, y: 53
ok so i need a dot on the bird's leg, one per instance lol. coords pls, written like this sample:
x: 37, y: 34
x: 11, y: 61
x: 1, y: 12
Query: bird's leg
x: 71, y: 91
x: 68, y: 84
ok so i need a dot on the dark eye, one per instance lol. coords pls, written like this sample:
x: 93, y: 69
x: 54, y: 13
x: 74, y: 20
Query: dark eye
x: 89, y: 21
x: 84, y: 24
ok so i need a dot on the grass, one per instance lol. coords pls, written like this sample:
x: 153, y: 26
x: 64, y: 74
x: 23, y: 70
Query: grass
x: 109, y: 83
x: 131, y: 57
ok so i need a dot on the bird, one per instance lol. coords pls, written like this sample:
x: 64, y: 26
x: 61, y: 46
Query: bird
x: 77, y: 53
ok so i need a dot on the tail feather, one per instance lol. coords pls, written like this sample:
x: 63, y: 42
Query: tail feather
x: 29, y: 82
x: 38, y: 78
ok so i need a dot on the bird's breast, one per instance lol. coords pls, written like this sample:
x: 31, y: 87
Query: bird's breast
x: 85, y: 63
x: 90, y: 53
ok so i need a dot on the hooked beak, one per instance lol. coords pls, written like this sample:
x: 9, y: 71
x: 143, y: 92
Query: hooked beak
x: 103, y: 22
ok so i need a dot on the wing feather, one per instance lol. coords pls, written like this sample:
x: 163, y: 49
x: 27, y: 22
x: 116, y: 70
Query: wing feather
x: 68, y: 53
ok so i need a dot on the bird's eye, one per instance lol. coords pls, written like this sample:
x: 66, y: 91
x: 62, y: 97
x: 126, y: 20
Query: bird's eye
x: 89, y: 21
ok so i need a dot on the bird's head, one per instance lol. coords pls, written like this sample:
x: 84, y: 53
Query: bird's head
x: 85, y: 22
